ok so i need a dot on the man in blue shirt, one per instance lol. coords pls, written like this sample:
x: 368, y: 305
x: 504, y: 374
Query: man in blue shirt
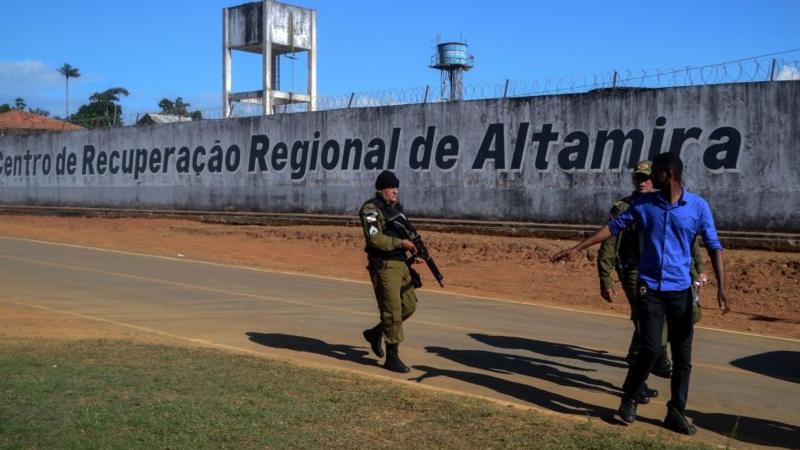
x: 668, y: 222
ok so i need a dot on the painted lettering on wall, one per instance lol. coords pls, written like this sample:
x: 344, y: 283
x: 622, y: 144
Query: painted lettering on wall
x: 502, y: 147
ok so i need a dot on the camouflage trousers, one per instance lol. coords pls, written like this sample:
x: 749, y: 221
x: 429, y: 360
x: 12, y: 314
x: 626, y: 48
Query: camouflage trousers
x: 396, y: 298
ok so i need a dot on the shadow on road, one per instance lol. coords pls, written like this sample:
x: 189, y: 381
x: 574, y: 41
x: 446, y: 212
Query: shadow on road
x: 748, y: 429
x: 539, y: 397
x: 312, y: 345
x: 763, y: 318
x: 508, y: 364
x: 784, y: 365
x: 552, y: 349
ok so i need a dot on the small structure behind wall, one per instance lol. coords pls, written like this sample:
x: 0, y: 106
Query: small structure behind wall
x: 289, y: 29
x: 157, y: 119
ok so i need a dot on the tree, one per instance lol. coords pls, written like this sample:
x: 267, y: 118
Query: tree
x: 19, y: 105
x: 178, y: 108
x: 103, y: 109
x: 39, y: 111
x: 68, y: 72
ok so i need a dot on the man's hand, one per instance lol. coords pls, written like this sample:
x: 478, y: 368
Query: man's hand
x: 608, y: 294
x: 565, y: 255
x: 722, y: 300
x: 409, y: 246
x: 599, y: 236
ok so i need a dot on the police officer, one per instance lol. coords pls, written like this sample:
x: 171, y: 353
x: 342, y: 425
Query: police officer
x: 388, y: 271
x: 621, y: 252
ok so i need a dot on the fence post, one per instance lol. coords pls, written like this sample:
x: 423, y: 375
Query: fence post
x: 772, y: 70
x: 614, y: 81
x: 351, y: 99
x: 425, y: 99
x: 505, y: 90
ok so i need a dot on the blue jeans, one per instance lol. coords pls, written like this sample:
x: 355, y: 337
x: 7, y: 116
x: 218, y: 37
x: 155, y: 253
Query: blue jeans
x: 654, y: 307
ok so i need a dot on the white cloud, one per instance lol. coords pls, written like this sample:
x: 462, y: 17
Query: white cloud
x: 788, y: 73
x: 19, y: 78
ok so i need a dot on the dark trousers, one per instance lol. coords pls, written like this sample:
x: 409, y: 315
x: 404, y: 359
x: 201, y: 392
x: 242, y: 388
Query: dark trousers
x: 654, y: 307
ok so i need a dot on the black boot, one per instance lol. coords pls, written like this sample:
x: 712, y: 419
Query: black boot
x: 627, y: 409
x: 373, y: 336
x: 663, y: 367
x: 645, y: 395
x: 393, y: 362
x: 677, y: 422
x: 652, y: 393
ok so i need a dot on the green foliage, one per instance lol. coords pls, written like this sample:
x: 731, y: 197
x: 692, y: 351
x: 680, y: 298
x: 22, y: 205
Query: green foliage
x: 102, y: 111
x: 19, y: 105
x: 69, y: 72
x: 39, y: 111
x: 178, y: 108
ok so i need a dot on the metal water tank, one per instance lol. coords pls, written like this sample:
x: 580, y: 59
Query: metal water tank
x: 452, y: 53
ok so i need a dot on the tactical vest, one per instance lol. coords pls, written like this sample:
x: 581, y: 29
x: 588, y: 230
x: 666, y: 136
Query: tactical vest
x: 628, y: 244
x: 398, y: 254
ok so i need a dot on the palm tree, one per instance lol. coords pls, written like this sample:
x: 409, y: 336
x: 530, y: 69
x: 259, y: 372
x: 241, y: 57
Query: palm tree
x: 68, y: 72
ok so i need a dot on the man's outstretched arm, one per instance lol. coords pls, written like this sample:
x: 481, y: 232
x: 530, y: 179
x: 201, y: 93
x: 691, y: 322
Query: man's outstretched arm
x: 599, y: 236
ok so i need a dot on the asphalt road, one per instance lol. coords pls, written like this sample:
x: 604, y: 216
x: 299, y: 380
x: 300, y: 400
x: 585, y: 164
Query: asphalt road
x: 555, y: 360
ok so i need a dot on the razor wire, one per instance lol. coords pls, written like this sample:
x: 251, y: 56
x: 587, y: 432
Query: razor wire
x: 772, y: 67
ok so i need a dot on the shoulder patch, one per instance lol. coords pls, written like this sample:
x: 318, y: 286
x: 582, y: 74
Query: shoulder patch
x: 369, y: 209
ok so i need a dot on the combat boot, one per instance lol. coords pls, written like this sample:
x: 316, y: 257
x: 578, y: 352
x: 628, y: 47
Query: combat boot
x: 677, y: 422
x: 663, y: 367
x: 652, y: 393
x: 627, y: 409
x: 374, y: 337
x: 645, y: 395
x: 393, y: 362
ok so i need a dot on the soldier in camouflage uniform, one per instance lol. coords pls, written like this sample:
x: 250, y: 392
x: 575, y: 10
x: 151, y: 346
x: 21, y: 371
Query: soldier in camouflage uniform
x: 621, y: 253
x: 388, y: 271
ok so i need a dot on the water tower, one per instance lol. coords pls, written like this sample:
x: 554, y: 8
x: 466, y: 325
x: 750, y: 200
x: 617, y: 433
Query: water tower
x: 270, y: 29
x: 452, y: 60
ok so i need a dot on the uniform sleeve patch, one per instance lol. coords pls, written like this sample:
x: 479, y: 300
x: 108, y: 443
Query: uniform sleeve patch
x: 373, y: 230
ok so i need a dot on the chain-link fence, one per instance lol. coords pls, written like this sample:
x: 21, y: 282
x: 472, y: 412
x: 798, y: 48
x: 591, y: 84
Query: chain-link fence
x: 772, y: 67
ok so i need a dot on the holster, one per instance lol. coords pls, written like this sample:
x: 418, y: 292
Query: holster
x: 374, y: 265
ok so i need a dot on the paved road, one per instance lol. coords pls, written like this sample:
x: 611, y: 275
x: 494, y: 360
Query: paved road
x: 555, y: 360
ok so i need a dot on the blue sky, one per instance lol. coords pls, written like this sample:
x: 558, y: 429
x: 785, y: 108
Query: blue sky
x: 171, y: 48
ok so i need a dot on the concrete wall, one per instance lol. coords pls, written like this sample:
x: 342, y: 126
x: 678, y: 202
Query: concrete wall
x: 549, y: 159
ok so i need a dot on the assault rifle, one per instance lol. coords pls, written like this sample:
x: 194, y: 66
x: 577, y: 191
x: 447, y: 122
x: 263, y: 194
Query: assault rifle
x: 398, y: 221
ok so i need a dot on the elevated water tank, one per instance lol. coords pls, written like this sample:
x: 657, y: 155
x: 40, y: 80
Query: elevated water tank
x: 453, y: 54
x: 452, y: 60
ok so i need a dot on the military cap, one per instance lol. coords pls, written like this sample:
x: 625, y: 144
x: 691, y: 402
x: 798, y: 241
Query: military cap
x: 645, y: 167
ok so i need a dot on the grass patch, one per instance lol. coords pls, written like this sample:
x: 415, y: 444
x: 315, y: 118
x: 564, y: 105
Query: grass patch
x: 102, y: 394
